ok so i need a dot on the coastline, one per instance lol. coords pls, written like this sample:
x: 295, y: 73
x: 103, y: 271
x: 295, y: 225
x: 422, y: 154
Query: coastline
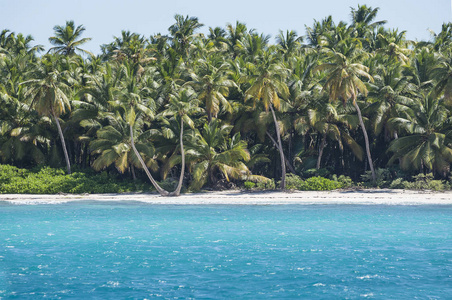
x: 235, y: 197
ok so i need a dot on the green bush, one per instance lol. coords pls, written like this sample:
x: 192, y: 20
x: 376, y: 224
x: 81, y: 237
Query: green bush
x: 249, y: 185
x: 52, y: 181
x: 316, y: 183
x: 320, y: 184
x: 383, y: 178
x: 420, y: 182
x: 293, y: 182
x: 266, y: 185
x: 398, y: 183
x: 425, y: 182
x: 345, y: 181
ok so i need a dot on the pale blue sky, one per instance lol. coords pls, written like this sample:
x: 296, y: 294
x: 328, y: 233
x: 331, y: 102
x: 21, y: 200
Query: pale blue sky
x: 104, y: 19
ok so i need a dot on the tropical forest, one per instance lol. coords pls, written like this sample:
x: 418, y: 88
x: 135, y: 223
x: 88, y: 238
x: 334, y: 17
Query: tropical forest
x: 344, y: 104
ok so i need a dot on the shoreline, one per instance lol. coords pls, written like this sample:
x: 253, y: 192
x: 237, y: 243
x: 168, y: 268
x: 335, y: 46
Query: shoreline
x: 235, y: 197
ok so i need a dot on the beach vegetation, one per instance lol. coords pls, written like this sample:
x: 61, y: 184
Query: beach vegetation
x: 345, y: 103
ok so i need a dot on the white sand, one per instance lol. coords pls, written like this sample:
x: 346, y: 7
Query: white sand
x: 376, y: 196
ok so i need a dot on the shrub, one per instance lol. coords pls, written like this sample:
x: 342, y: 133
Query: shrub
x: 293, y: 182
x: 425, y: 182
x: 320, y: 184
x: 51, y: 181
x: 249, y: 185
x: 266, y: 185
x: 345, y: 181
x: 398, y: 184
x: 316, y: 183
x: 383, y: 178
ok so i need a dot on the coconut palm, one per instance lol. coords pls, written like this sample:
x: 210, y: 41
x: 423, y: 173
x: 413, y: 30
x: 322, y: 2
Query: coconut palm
x: 183, y: 103
x: 182, y: 33
x: 210, y: 79
x: 331, y: 120
x: 343, y: 82
x: 428, y: 140
x: 442, y: 74
x: 112, y: 145
x: 67, y: 39
x: 267, y: 86
x: 211, y: 151
x: 234, y: 38
x: 48, y: 93
x: 363, y: 19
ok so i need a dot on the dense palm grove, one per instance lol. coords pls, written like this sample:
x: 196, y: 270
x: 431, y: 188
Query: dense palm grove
x: 205, y: 110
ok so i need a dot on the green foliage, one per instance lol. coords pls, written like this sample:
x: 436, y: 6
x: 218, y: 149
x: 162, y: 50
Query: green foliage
x: 52, y: 181
x: 266, y: 185
x: 425, y: 182
x: 320, y: 184
x: 249, y: 185
x: 293, y: 182
x: 421, y: 182
x: 345, y: 181
x: 316, y: 183
x: 398, y: 183
x: 383, y: 178
x: 323, y: 172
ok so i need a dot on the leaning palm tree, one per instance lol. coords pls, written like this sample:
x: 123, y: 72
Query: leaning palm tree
x: 343, y: 82
x: 182, y: 104
x: 48, y: 93
x: 67, y: 39
x: 112, y: 145
x: 267, y: 86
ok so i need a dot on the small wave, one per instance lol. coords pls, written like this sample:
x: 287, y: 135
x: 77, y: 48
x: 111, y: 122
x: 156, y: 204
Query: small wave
x: 368, y: 277
x: 367, y: 295
x: 319, y: 284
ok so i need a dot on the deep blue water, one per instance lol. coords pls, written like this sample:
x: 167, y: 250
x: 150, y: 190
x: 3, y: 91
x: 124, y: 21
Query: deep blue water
x: 138, y: 251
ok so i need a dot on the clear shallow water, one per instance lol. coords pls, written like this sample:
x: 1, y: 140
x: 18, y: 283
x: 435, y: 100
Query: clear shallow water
x: 118, y: 250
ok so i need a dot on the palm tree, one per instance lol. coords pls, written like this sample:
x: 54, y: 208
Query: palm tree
x: 442, y: 73
x: 329, y: 120
x: 343, y: 82
x: 48, y: 93
x: 267, y: 84
x: 362, y: 19
x: 182, y: 33
x: 209, y: 78
x: 113, y: 145
x: 390, y: 94
x: 212, y: 151
x: 183, y: 103
x: 234, y: 38
x: 288, y: 44
x: 428, y: 140
x: 67, y: 39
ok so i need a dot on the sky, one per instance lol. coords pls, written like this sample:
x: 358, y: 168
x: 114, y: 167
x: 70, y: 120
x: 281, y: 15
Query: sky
x: 104, y: 19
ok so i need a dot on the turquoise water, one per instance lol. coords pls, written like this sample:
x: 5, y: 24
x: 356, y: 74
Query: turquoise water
x: 138, y: 251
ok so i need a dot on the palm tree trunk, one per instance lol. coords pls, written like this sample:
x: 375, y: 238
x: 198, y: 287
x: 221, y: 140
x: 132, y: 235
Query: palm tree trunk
x: 291, y: 168
x: 281, y: 153
x: 182, y: 153
x: 132, y: 170
x: 366, y: 139
x: 161, y: 191
x: 322, y: 146
x: 63, y: 144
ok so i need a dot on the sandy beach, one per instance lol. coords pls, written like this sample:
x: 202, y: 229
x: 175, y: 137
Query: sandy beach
x: 364, y: 197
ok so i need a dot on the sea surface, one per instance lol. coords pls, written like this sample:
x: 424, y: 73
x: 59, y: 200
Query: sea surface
x: 118, y: 250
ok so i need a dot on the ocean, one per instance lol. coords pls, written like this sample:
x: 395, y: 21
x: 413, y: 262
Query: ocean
x: 119, y: 250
